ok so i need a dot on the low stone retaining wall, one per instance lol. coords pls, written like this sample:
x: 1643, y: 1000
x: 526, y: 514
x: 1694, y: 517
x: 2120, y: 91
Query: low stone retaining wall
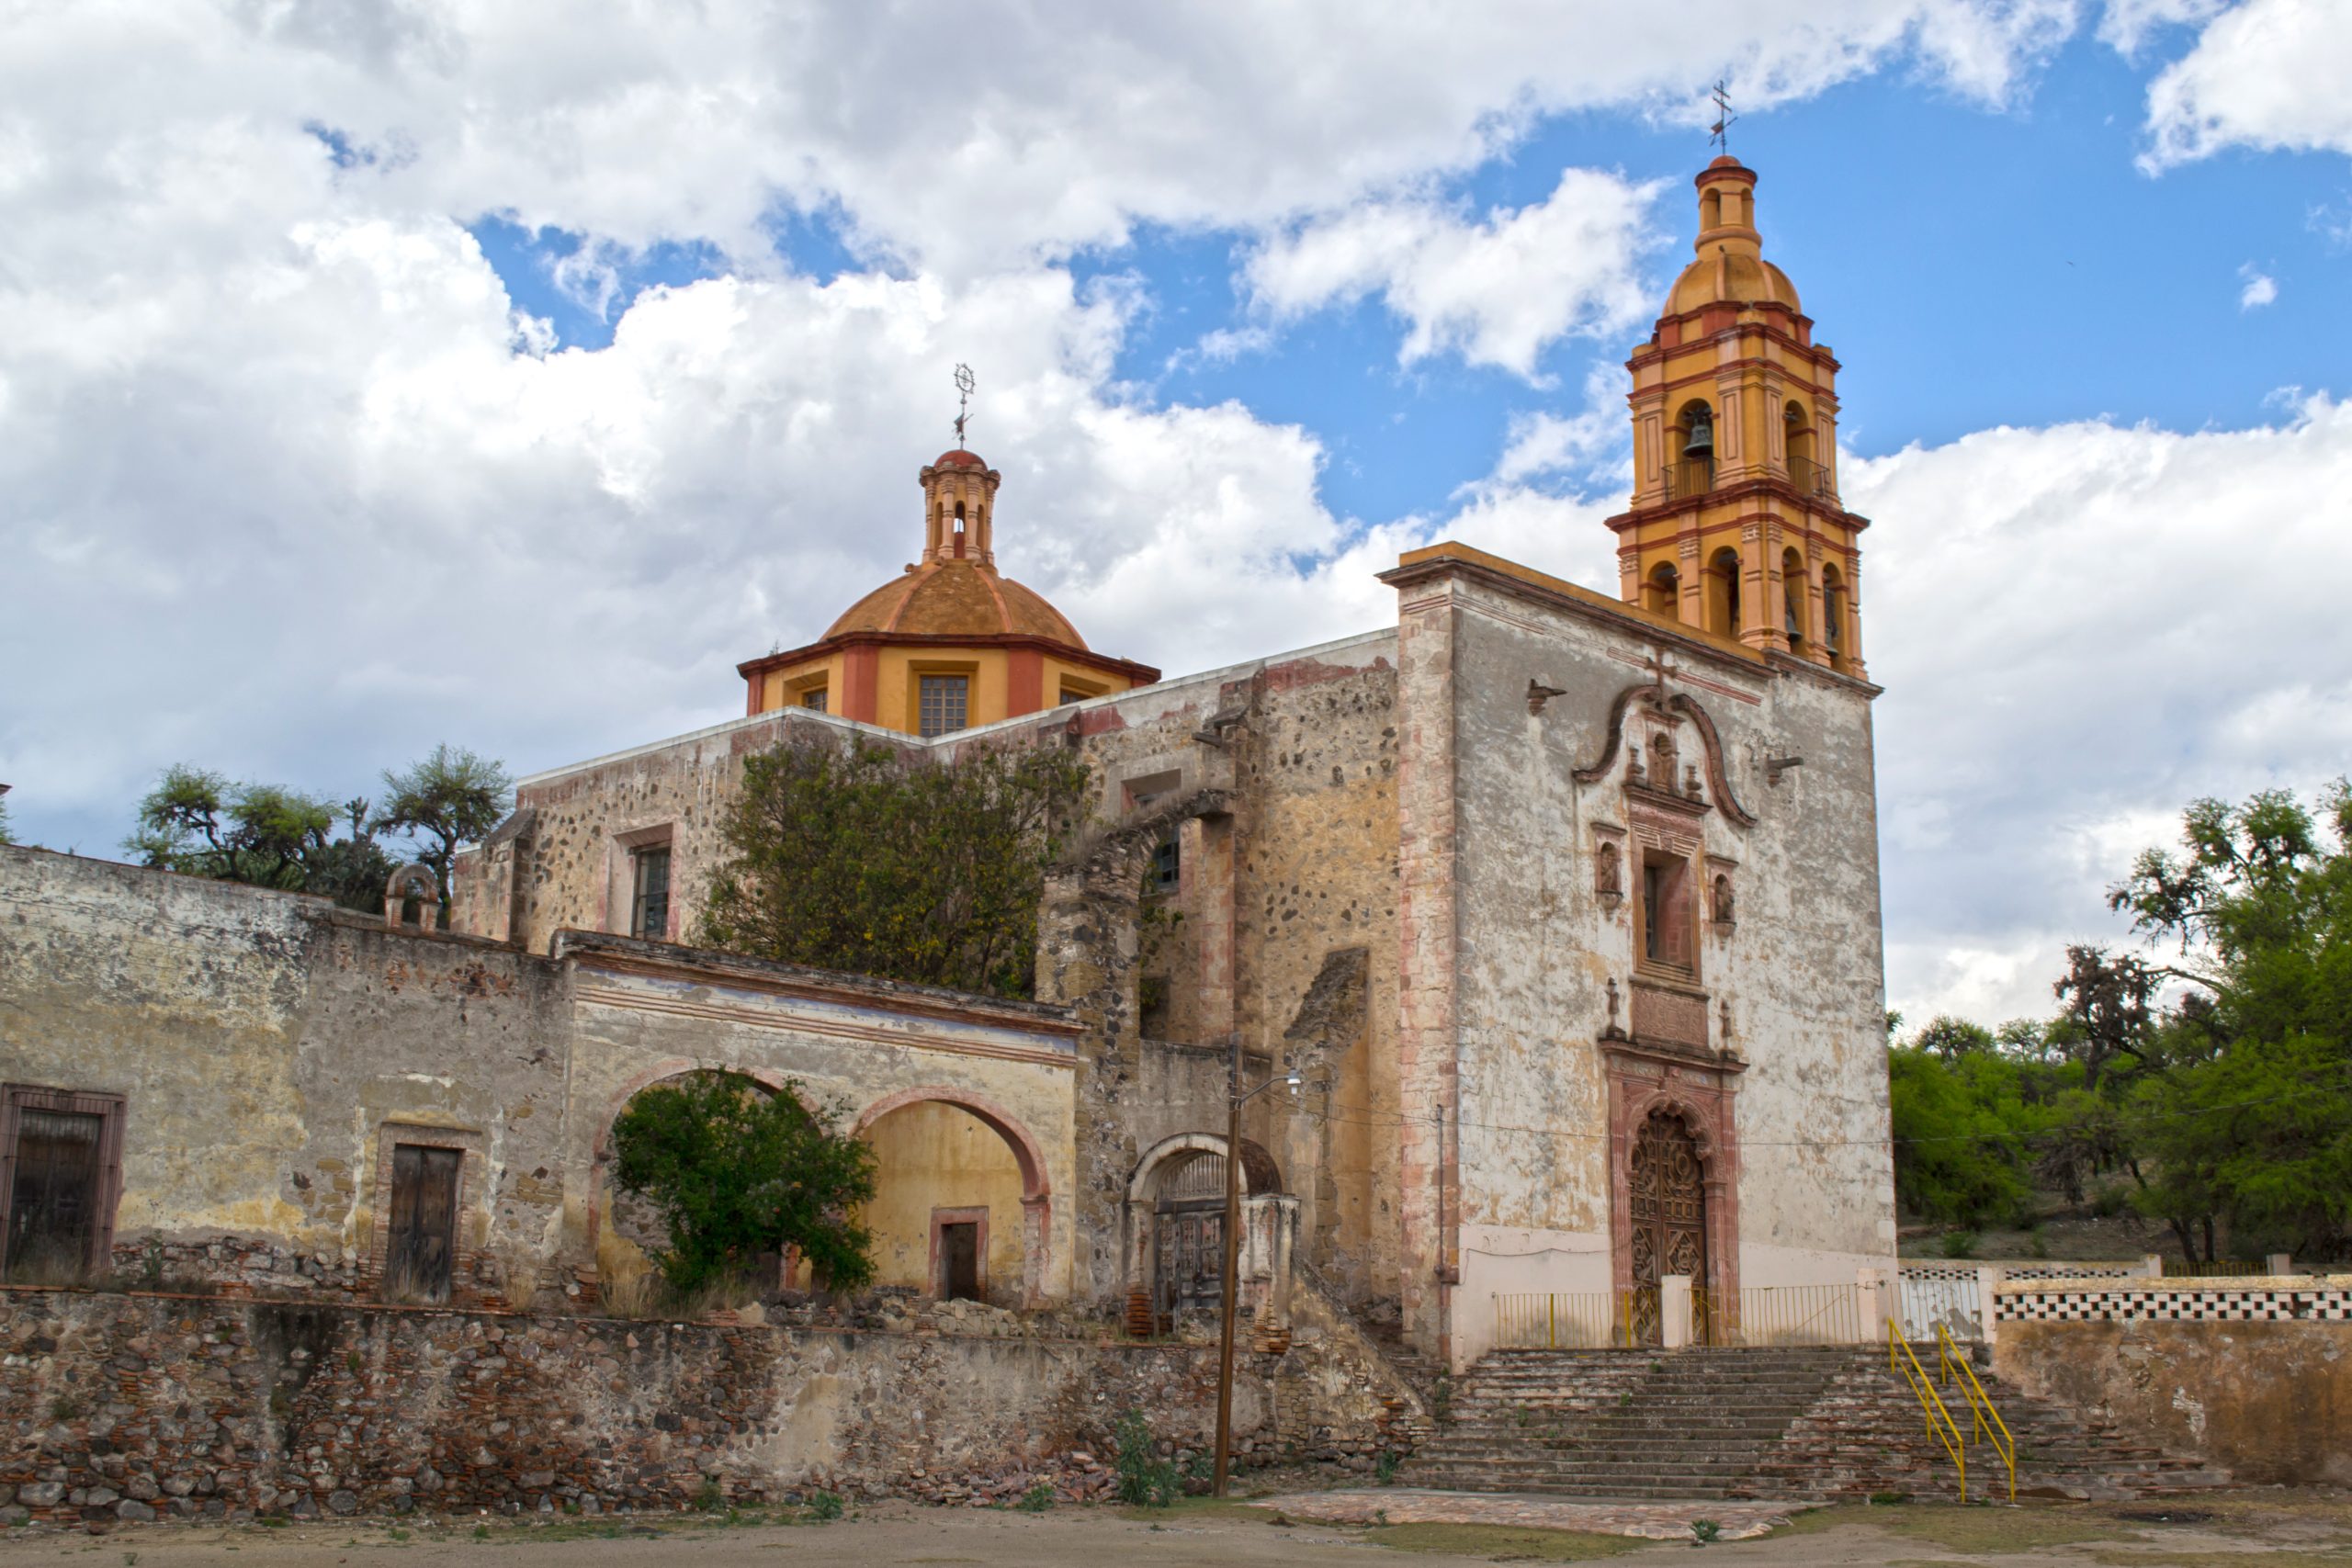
x: 134, y: 1406
x: 2254, y: 1375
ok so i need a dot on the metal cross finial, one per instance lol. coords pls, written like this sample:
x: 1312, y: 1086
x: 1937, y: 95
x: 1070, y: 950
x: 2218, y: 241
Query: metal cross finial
x: 1720, y: 132
x: 964, y: 384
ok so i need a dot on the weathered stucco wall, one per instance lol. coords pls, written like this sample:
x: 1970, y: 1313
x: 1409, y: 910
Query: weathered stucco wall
x: 931, y: 1156
x: 131, y: 1407
x: 264, y: 1043
x: 1511, y: 694
x: 2271, y: 1403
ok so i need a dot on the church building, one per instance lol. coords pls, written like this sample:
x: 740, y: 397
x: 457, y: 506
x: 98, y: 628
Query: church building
x: 1562, y: 903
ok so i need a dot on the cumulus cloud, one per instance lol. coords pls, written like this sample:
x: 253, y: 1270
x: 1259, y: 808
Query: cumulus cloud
x: 2257, y: 288
x: 2080, y: 628
x: 2126, y: 25
x: 2265, y: 74
x: 1496, y: 290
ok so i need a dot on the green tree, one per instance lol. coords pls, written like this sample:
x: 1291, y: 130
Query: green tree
x: 739, y: 1173
x: 197, y: 822
x: 1958, y: 1124
x: 2248, y: 1109
x: 863, y: 861
x: 448, y: 799
x: 5, y: 836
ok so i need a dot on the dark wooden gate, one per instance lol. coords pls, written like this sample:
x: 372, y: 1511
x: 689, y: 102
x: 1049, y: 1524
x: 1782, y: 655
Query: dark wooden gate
x: 1670, y: 1213
x: 423, y: 1244
x: 53, y: 1202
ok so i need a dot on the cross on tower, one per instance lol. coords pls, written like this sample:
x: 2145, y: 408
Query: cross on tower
x: 1720, y: 132
x: 964, y: 384
x: 1660, y: 671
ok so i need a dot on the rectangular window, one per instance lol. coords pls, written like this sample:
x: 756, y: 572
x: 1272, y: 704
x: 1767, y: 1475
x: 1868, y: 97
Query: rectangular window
x: 944, y: 703
x: 422, y: 1245
x: 649, y: 904
x: 1073, y: 694
x: 1167, y: 865
x: 62, y: 1159
x: 1667, y: 914
x: 813, y: 699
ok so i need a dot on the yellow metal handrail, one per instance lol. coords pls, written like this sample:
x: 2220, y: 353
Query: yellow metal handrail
x: 1899, y: 1359
x: 1988, y: 1423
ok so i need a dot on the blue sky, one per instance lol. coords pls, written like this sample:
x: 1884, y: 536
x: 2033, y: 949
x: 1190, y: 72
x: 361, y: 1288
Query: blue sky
x: 370, y: 380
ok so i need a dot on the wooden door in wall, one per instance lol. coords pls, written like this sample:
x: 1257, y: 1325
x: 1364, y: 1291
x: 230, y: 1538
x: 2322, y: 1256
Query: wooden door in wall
x: 423, y: 1223
x: 1190, y: 1269
x: 54, y: 1201
x: 1670, y: 1213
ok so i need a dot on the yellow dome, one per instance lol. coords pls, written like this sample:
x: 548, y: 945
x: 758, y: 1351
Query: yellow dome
x: 957, y: 598
x: 1730, y: 268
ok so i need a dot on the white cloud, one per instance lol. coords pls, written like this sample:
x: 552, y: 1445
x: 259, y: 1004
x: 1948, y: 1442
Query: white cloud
x: 2080, y: 629
x: 2259, y: 288
x: 2266, y: 73
x: 1496, y: 290
x: 2126, y: 25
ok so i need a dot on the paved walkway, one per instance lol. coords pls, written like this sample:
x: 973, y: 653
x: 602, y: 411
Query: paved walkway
x: 1411, y: 1505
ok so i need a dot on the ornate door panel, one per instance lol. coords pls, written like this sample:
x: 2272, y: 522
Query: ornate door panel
x: 1191, y: 1265
x: 1669, y: 1206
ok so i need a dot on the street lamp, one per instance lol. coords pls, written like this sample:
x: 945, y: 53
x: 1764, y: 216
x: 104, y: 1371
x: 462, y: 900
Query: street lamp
x: 1236, y: 1098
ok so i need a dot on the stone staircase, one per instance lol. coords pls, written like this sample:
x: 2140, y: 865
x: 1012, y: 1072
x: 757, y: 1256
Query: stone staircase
x: 1800, y: 1422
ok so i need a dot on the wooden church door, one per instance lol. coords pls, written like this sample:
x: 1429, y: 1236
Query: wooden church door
x: 1670, y: 1213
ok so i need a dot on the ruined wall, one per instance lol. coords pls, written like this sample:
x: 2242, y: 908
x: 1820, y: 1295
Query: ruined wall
x: 2269, y: 1402
x: 131, y: 1407
x: 866, y: 1045
x: 931, y: 1156
x: 269, y: 1048
x: 1514, y: 946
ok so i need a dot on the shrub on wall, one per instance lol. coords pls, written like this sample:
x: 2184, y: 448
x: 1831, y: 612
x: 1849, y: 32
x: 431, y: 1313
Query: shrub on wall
x: 860, y: 861
x: 739, y: 1174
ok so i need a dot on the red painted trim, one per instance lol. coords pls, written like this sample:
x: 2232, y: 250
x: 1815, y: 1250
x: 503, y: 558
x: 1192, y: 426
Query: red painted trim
x: 1024, y: 683
x: 872, y: 642
x: 940, y: 1220
x: 860, y: 676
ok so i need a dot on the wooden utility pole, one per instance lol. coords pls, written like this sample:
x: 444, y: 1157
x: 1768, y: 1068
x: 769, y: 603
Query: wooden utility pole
x: 1230, y: 1286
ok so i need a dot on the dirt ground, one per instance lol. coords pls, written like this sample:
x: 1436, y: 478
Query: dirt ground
x: 2265, y: 1529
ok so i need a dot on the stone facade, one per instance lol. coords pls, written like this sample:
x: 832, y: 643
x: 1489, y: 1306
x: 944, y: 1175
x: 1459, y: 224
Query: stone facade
x: 134, y: 1406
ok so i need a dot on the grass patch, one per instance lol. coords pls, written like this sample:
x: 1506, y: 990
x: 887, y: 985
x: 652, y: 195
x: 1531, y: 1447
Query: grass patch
x: 1982, y: 1532
x: 1504, y: 1543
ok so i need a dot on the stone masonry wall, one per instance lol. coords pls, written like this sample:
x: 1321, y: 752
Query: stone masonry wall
x: 130, y: 1406
x: 2270, y: 1402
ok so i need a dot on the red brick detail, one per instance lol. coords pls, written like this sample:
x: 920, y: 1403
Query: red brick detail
x: 1024, y: 683
x: 1639, y: 1083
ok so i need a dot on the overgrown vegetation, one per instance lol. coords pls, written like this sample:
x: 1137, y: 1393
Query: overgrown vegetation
x: 1146, y: 1480
x: 2206, y: 1084
x: 202, y: 824
x: 739, y: 1174
x: 861, y: 860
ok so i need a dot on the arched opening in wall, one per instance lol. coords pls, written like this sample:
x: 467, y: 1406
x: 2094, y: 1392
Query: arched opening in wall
x: 1793, y: 589
x: 1662, y: 591
x: 1796, y: 434
x: 1833, y: 616
x: 1668, y: 1205
x: 629, y: 1231
x: 959, y: 530
x: 1690, y: 466
x: 1710, y: 211
x: 1176, y: 1220
x: 1723, y: 593
x: 947, y: 1211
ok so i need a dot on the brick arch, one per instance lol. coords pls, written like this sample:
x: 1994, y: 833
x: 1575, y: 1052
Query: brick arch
x: 1035, y: 1185
x: 1261, y: 1177
x: 1036, y: 1189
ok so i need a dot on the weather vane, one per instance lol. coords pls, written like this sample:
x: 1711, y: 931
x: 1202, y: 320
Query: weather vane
x: 1720, y: 132
x: 964, y: 384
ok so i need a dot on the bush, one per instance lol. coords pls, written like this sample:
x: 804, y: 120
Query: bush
x: 825, y: 1505
x: 1145, y: 1479
x: 1037, y: 1499
x: 1959, y: 1243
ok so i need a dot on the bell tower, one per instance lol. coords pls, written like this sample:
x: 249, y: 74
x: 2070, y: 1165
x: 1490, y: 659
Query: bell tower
x: 1736, y: 526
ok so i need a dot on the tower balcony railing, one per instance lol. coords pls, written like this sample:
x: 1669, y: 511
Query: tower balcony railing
x: 1686, y: 477
x: 1809, y: 477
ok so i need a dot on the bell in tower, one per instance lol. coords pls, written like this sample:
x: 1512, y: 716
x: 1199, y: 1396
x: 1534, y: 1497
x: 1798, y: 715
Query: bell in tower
x: 1736, y: 529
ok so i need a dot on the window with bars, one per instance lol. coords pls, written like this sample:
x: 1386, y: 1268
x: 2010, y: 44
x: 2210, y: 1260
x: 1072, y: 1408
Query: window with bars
x: 813, y: 699
x: 61, y: 1153
x: 1167, y: 865
x: 650, y: 899
x: 944, y: 703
